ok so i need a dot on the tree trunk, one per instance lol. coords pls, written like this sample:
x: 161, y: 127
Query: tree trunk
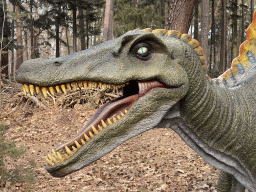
x: 212, y: 55
x: 180, y: 15
x: 57, y: 39
x: 196, y: 34
x: 204, y: 30
x: 242, y: 23
x: 74, y: 28
x: 19, y: 40
x: 252, y: 9
x: 81, y: 27
x: 26, y: 46
x: 12, y: 49
x: 223, y: 36
x: 234, y: 38
x: 108, y: 20
x: 32, y: 31
x: 57, y: 25
x: 67, y: 38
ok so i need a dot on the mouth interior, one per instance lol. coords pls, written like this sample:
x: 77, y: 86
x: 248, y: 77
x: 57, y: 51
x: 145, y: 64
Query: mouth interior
x: 106, y: 115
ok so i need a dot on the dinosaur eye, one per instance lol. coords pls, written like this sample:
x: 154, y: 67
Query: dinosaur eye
x: 142, y: 51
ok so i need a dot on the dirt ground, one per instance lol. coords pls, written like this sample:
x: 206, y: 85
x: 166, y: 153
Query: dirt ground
x: 157, y: 160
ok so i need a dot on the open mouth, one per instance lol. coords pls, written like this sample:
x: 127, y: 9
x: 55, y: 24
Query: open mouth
x: 106, y: 115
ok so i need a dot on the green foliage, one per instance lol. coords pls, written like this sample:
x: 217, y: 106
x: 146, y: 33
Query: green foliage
x: 8, y: 149
x: 129, y: 16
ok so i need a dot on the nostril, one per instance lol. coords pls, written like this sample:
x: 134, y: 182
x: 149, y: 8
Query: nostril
x: 57, y: 63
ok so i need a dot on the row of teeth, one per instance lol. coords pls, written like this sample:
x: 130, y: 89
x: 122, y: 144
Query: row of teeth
x: 57, y: 157
x: 34, y: 90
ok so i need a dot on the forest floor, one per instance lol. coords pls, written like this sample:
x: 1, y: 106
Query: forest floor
x: 157, y: 160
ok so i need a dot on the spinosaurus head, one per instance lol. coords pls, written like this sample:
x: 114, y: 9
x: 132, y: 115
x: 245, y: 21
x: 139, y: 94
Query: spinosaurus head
x: 150, y: 67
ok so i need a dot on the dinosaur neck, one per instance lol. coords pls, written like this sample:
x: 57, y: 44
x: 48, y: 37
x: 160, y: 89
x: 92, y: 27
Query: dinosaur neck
x: 209, y: 111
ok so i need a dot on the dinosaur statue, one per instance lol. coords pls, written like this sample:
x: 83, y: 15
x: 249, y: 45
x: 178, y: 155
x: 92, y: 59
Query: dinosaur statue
x: 164, y: 85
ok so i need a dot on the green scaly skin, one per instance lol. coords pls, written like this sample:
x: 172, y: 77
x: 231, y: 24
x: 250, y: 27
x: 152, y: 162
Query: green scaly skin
x: 217, y: 122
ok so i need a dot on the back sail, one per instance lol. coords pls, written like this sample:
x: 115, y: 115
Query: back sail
x: 243, y: 67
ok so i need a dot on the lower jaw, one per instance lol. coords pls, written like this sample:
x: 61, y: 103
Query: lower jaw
x: 108, y: 113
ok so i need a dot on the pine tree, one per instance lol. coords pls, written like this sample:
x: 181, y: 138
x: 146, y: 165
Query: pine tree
x: 131, y: 15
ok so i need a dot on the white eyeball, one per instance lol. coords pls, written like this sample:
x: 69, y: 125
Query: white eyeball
x: 142, y: 50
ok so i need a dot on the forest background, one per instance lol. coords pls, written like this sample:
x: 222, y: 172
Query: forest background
x: 31, y: 29
x: 51, y: 28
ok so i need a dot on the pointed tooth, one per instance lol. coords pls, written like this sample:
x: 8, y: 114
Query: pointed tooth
x: 69, y: 86
x: 74, y: 85
x: 122, y: 114
x: 74, y: 149
x: 109, y: 86
x: 24, y: 89
x: 103, y: 124
x: 90, y: 85
x: 48, y: 161
x: 118, y: 117
x: 79, y: 83
x: 119, y: 86
x: 66, y: 156
x: 100, y: 128
x: 86, y: 137
x: 51, y: 90
x: 85, y: 84
x: 114, y: 86
x: 31, y: 89
x: 54, y: 160
x: 77, y: 144
x: 49, y: 156
x: 95, y: 84
x: 94, y: 130
x: 44, y: 91
x: 60, y: 157
x: 90, y: 133
x: 114, y: 119
x: 82, y: 141
x: 100, y: 85
x: 37, y: 89
x: 104, y: 85
x: 109, y: 122
x: 125, y: 111
x: 54, y: 153
x: 63, y: 88
x: 57, y: 87
x: 68, y: 151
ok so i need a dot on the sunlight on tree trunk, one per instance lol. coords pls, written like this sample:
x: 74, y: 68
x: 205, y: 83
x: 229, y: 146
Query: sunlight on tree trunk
x: 108, y: 20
